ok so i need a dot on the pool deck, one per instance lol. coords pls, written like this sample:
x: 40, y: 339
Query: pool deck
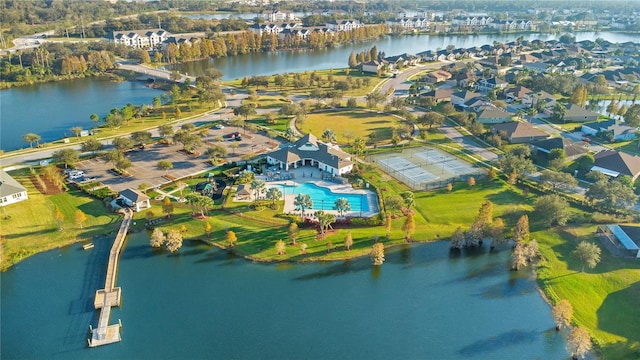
x: 307, y: 174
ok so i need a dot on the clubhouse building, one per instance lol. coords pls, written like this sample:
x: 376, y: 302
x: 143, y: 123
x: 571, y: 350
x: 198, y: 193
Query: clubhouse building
x: 309, y: 151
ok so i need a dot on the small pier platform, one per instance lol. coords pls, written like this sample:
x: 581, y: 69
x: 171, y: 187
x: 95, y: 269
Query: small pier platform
x: 111, y: 295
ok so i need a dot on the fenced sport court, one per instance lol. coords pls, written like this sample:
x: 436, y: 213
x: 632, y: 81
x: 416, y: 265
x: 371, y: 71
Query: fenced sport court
x: 426, y: 168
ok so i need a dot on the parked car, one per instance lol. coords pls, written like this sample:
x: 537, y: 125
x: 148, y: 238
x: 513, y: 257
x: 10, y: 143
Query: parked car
x: 219, y: 127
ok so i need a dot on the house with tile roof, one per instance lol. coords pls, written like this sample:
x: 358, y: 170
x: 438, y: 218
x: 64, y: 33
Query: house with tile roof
x: 572, y: 149
x: 517, y: 132
x: 11, y: 191
x: 620, y: 132
x: 615, y: 163
x: 578, y: 114
x: 308, y: 150
x: 490, y: 114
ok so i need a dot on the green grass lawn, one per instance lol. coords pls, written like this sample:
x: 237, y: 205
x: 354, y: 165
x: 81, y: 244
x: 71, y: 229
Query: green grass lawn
x: 325, y: 75
x: 604, y: 299
x: 32, y: 228
x: 282, y: 124
x: 268, y: 102
x: 357, y: 123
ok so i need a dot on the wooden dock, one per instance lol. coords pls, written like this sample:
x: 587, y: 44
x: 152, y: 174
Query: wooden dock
x: 111, y: 295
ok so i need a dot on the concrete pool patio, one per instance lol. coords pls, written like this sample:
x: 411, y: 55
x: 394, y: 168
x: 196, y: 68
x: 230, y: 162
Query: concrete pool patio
x: 307, y: 174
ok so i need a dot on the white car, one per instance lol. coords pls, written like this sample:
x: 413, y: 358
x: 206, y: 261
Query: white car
x: 219, y: 126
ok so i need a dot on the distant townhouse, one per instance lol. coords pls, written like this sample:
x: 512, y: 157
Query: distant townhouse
x: 512, y: 25
x: 473, y: 21
x: 409, y: 23
x: 277, y: 15
x: 266, y: 28
x: 344, y: 25
x: 141, y: 39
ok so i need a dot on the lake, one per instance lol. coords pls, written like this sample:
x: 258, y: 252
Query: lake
x: 235, y: 67
x: 52, y: 109
x: 206, y: 303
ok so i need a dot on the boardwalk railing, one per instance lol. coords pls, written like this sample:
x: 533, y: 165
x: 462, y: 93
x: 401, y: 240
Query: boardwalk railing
x: 110, y: 296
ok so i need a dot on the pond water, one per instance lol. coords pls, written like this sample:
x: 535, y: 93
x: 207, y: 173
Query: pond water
x: 206, y: 303
x: 52, y: 109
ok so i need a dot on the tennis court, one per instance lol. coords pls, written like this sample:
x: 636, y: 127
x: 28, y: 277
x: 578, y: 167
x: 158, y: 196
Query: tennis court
x: 426, y: 168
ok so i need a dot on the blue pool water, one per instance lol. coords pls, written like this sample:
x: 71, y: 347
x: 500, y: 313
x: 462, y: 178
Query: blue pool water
x: 323, y: 198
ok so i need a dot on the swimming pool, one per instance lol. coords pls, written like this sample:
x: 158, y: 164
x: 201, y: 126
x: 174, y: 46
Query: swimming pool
x: 323, y: 198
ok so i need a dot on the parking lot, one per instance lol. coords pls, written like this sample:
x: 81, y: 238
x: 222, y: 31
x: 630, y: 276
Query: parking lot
x: 145, y: 169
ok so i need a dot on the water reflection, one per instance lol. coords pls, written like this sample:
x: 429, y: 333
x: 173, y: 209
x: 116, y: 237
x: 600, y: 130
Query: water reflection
x: 506, y: 339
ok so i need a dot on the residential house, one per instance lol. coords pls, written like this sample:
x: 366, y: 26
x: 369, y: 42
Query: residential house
x: 437, y: 76
x: 533, y: 98
x: 308, y: 150
x: 490, y: 114
x: 465, y: 79
x: 516, y: 93
x: 537, y: 67
x: 440, y: 95
x: 135, y: 199
x: 576, y: 113
x: 485, y: 85
x: 572, y: 149
x: 620, y: 132
x: 401, y: 60
x: 141, y: 39
x: 11, y: 191
x: 615, y: 163
x: 517, y: 132
x: 621, y: 240
x: 459, y: 98
x: 372, y: 66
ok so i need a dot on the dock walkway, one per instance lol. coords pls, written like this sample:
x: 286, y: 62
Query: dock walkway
x: 111, y: 295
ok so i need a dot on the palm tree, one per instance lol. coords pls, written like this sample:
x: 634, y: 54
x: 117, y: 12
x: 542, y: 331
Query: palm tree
x: 342, y: 205
x: 258, y: 188
x: 274, y: 194
x: 302, y: 202
x: 559, y: 111
x: 329, y: 136
x: 324, y: 221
